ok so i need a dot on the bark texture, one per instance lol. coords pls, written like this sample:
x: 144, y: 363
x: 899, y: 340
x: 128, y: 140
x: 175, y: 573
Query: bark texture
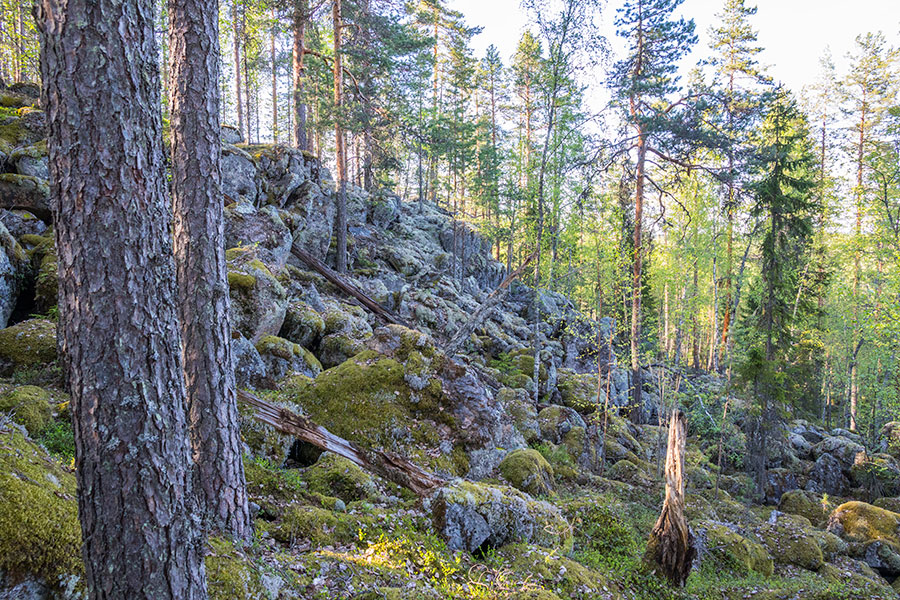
x: 118, y: 326
x: 670, y: 550
x: 301, y: 16
x: 200, y: 263
x: 340, y: 156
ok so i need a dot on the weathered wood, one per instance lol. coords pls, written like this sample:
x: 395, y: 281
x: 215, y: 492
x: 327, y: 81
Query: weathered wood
x: 670, y: 549
x: 388, y: 465
x: 487, y: 307
x: 345, y: 286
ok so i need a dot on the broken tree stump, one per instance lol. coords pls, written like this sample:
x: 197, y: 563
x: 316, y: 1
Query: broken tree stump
x: 388, y: 465
x: 670, y: 549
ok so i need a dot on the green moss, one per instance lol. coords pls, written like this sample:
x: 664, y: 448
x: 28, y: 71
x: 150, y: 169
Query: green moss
x: 732, y: 548
x: 564, y: 576
x: 238, y: 253
x: 29, y: 405
x: 39, y: 530
x: 336, y: 476
x: 46, y: 284
x: 528, y: 471
x: 863, y: 522
x: 11, y: 134
x: 230, y: 574
x: 241, y: 281
x: 28, y: 344
x: 803, y: 503
x: 790, y: 541
x: 320, y: 526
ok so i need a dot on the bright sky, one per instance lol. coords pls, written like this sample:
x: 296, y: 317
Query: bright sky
x: 794, y: 33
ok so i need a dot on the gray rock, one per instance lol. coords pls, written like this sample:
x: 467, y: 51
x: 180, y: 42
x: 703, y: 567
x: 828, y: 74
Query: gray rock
x: 249, y: 369
x: 827, y: 476
x: 22, y: 222
x: 262, y: 230
x: 472, y: 516
x: 231, y: 135
x: 31, y: 161
x: 258, y: 300
x: 27, y: 193
x: 283, y: 358
x: 239, y: 176
x: 384, y: 209
x: 28, y: 588
x: 12, y: 263
x: 302, y: 325
x: 842, y: 448
x: 310, y: 217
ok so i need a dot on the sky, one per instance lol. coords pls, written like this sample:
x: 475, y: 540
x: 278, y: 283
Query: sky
x: 793, y: 33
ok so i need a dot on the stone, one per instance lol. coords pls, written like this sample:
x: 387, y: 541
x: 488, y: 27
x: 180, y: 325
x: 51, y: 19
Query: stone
x: 309, y: 213
x: 721, y: 544
x: 518, y: 405
x: 231, y: 135
x: 22, y: 222
x: 12, y: 264
x: 333, y: 475
x: 528, y: 471
x: 31, y: 161
x: 249, y: 368
x: 827, y: 477
x: 29, y: 407
x: 258, y: 300
x: 27, y: 193
x: 283, y: 357
x: 789, y: 539
x: 861, y: 522
x: 779, y: 481
x: 474, y: 516
x: 239, y: 176
x: 556, y: 421
x: 302, y: 324
x: 846, y: 450
x: 804, y: 503
x: 262, y: 230
x: 26, y: 345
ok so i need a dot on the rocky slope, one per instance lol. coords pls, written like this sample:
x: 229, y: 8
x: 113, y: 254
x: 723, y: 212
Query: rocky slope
x: 541, y: 505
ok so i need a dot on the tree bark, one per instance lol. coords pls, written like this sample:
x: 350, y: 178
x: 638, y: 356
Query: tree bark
x: 670, y: 549
x: 274, y: 82
x: 636, y: 400
x: 341, y: 192
x: 118, y: 325
x: 301, y: 15
x: 200, y: 263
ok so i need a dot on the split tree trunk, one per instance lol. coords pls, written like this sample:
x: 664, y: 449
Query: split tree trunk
x: 200, y: 263
x: 670, y: 549
x: 118, y: 325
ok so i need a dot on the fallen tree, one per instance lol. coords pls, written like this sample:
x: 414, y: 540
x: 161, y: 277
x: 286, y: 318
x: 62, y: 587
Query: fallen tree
x: 345, y: 286
x: 492, y: 300
x: 387, y: 465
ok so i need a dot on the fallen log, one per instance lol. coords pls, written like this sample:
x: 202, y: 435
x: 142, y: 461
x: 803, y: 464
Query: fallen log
x: 345, y: 286
x: 484, y: 311
x: 387, y: 465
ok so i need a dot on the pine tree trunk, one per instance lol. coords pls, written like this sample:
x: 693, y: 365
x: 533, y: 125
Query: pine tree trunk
x: 236, y: 49
x: 341, y: 217
x: 670, y: 549
x: 301, y: 15
x: 200, y: 262
x: 118, y: 326
x: 637, y: 402
x: 274, y: 85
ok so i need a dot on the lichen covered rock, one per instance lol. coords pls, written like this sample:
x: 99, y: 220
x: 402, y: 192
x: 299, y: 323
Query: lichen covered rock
x: 336, y: 476
x: 302, y: 324
x: 726, y: 546
x: 282, y: 357
x: 27, y: 345
x: 528, y: 471
x: 472, y: 516
x: 258, y: 300
x: 29, y: 407
x: 789, y: 539
x: 862, y: 522
x: 806, y: 504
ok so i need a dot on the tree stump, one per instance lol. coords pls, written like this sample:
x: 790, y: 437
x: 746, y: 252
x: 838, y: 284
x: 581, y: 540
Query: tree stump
x: 670, y: 549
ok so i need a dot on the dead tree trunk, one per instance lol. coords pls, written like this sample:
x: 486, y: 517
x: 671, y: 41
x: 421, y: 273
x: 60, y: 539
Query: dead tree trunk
x: 388, y: 465
x: 670, y: 549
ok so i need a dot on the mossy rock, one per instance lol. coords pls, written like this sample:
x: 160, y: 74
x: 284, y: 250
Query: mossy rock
x: 230, y: 573
x: 336, y: 476
x: 855, y: 580
x: 564, y: 576
x: 39, y: 531
x: 302, y: 324
x: 524, y: 363
x: 601, y: 526
x: 28, y: 344
x: 283, y: 357
x: 320, y: 526
x: 803, y: 503
x: 578, y: 391
x: 258, y: 300
x: 46, y: 283
x: 891, y: 504
x: 472, y: 516
x: 629, y: 472
x: 29, y: 405
x: 268, y: 483
x: 729, y: 547
x: 528, y: 471
x: 789, y: 539
x: 262, y: 440
x: 524, y: 415
x: 862, y: 522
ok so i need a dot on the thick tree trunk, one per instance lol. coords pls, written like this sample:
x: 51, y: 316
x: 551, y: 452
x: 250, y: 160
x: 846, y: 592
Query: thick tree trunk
x: 200, y: 262
x: 301, y: 15
x: 670, y: 549
x: 118, y: 325
x: 274, y: 83
x: 341, y: 192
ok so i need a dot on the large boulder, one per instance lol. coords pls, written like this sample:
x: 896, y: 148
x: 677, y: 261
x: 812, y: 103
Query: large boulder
x: 262, y: 230
x: 258, y: 300
x: 309, y: 214
x: 476, y: 517
x: 283, y: 357
x: 31, y: 161
x: 302, y: 324
x: 528, y: 471
x: 805, y: 504
x: 29, y: 407
x: 249, y: 368
x: 779, y: 481
x: 890, y: 438
x: 791, y: 541
x: 723, y: 545
x: 26, y: 192
x: 240, y: 183
x: 12, y: 262
x: 827, y: 476
x: 27, y: 345
x: 518, y: 405
x: 874, y: 534
x: 843, y: 448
